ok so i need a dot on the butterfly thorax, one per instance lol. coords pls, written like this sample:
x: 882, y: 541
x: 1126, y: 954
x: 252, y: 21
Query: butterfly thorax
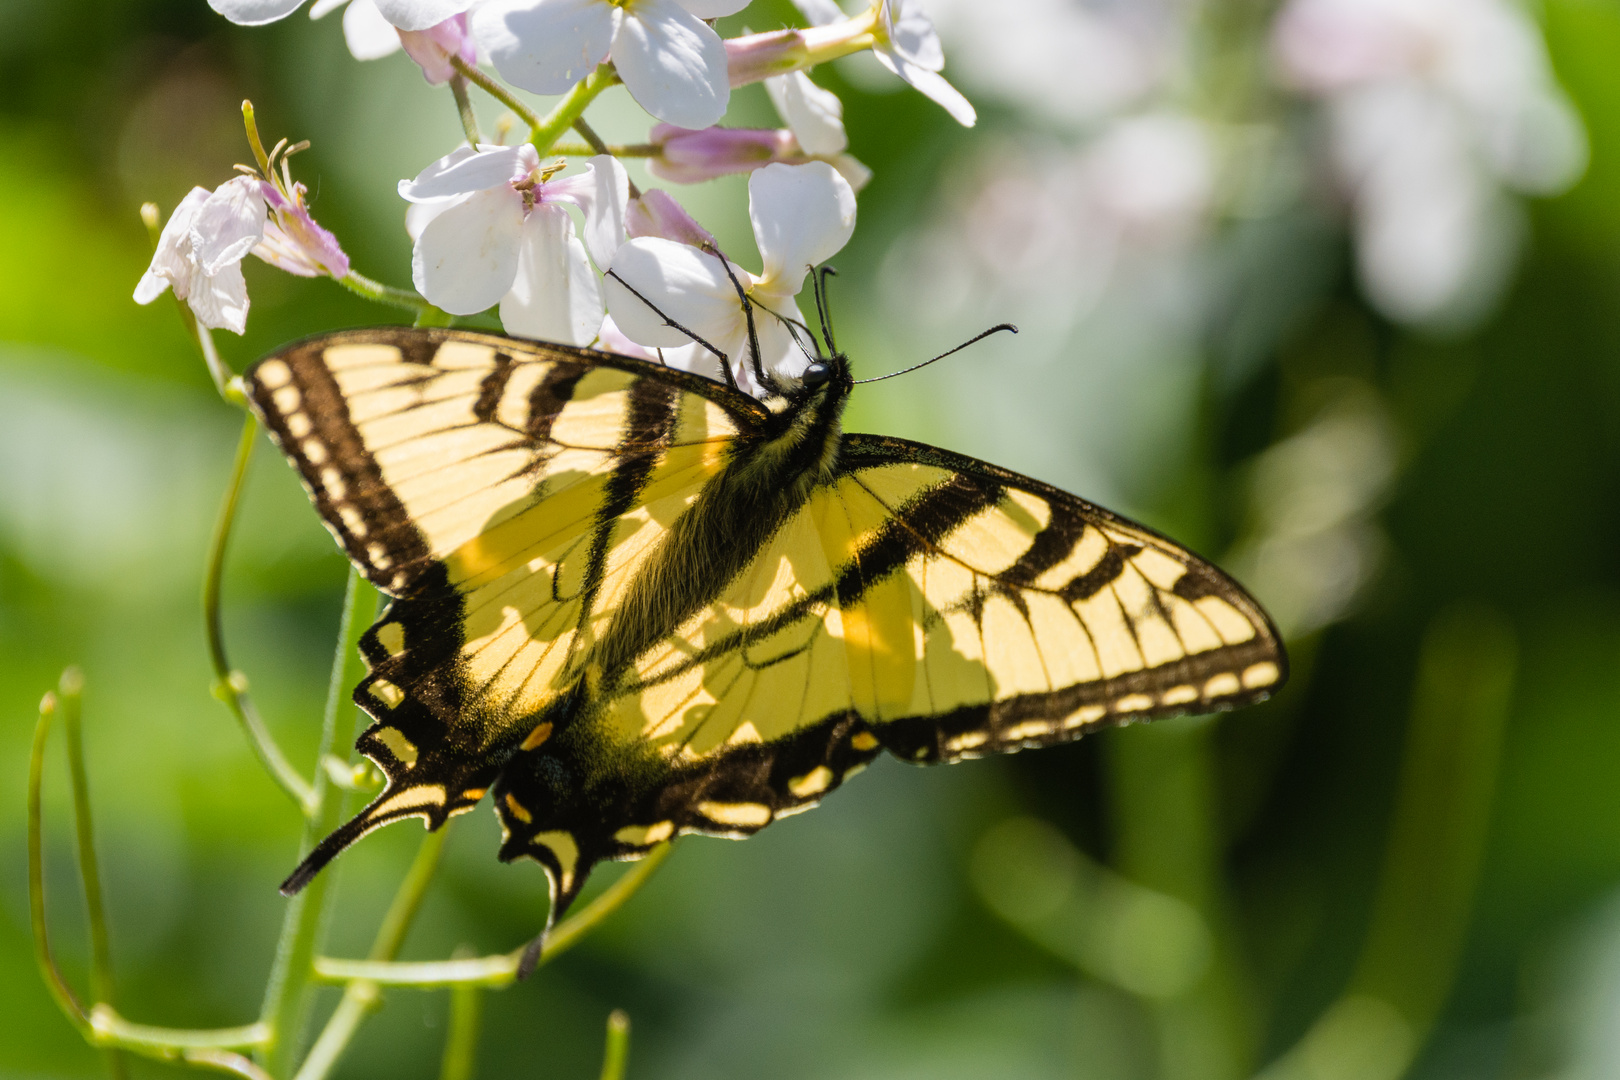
x: 768, y: 477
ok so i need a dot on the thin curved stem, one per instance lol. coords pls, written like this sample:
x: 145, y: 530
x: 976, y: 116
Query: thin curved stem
x: 464, y: 109
x: 102, y: 1026
x: 230, y: 686
x: 54, y: 982
x: 70, y: 687
x: 361, y: 996
x: 495, y: 90
x: 499, y: 969
x: 371, y: 289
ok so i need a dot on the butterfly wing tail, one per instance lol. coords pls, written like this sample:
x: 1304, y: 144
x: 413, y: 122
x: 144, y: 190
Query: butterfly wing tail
x: 425, y: 801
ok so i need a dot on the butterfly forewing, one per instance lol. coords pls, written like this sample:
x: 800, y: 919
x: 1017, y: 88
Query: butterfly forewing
x: 504, y: 492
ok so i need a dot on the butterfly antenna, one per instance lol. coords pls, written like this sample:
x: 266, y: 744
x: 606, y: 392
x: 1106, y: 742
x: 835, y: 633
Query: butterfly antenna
x: 767, y: 381
x: 795, y: 328
x: 1009, y: 327
x: 823, y: 308
x: 725, y: 362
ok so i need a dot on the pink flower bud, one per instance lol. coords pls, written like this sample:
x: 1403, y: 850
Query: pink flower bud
x: 688, y: 157
x: 656, y: 213
x: 432, y: 48
x: 754, y: 57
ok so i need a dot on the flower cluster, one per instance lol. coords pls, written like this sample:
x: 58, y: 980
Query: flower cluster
x: 558, y: 240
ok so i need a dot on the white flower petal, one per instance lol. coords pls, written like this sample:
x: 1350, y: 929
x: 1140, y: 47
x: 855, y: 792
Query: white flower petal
x: 420, y: 14
x: 932, y: 85
x: 368, y: 35
x: 779, y: 353
x: 546, y: 45
x: 815, y: 115
x: 172, y: 262
x: 220, y: 302
x: 254, y: 12
x: 463, y: 170
x: 851, y: 169
x: 912, y: 35
x: 228, y: 224
x: 673, y: 64
x: 602, y: 192
x: 687, y: 285
x: 320, y: 9
x: 802, y: 215
x: 467, y: 256
x: 418, y: 214
x: 555, y: 295
x: 713, y: 9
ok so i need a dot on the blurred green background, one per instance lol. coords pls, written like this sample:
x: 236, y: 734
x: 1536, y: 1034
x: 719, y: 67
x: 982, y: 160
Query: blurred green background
x: 1406, y: 863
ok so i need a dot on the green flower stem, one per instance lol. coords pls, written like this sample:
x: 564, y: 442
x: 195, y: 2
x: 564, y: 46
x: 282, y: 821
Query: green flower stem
x: 110, y: 1029
x: 69, y: 689
x: 571, y: 107
x: 102, y: 1026
x: 361, y: 996
x: 495, y: 90
x: 406, y: 299
x: 287, y: 997
x: 65, y: 999
x: 1420, y: 915
x: 460, y: 1060
x: 501, y: 968
x: 231, y: 686
x: 625, y: 150
x: 224, y: 378
x: 464, y: 108
x: 617, y: 1051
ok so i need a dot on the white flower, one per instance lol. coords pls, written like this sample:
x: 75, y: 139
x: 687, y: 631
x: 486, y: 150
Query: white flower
x: 489, y: 229
x: 815, y: 116
x: 802, y: 215
x: 672, y: 63
x: 201, y: 249
x: 1434, y: 107
x: 910, y: 48
x: 404, y: 14
x: 902, y: 39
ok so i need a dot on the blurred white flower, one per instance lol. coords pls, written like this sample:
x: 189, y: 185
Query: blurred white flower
x: 1074, y: 63
x: 489, y: 228
x: 1434, y: 107
x: 1037, y: 238
x: 200, y: 252
x: 671, y: 61
x: 802, y: 215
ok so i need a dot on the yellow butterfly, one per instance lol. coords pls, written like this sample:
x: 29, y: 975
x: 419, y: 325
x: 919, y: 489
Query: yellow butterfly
x: 632, y: 602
